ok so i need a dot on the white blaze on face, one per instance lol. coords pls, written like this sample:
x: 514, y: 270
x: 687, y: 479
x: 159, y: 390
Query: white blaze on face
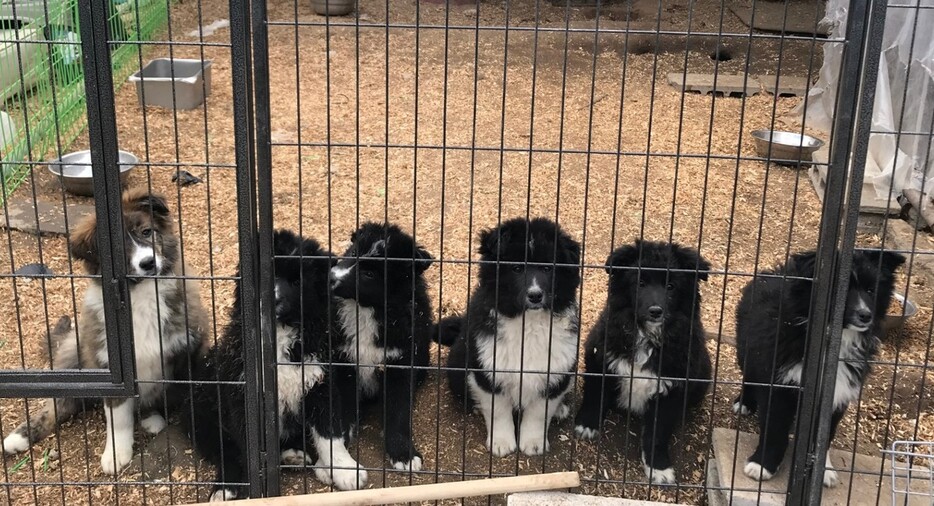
x: 338, y: 273
x: 142, y: 253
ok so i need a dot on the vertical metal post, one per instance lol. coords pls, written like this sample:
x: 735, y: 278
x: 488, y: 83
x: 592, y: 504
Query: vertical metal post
x: 265, y: 243
x: 246, y: 224
x: 102, y: 136
x: 849, y: 143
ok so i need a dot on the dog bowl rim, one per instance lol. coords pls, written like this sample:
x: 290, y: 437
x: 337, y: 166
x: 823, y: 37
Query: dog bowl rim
x: 910, y: 308
x: 206, y: 63
x: 766, y: 135
x: 55, y: 164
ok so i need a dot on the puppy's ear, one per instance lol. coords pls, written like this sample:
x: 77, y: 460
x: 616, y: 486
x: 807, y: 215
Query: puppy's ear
x: 571, y: 248
x: 625, y: 256
x: 690, y: 259
x: 889, y: 261
x: 83, y: 242
x: 490, y: 241
x: 423, y: 259
x: 284, y: 242
x: 804, y: 263
x: 148, y: 203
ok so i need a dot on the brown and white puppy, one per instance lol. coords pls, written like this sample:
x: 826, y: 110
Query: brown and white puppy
x: 169, y: 325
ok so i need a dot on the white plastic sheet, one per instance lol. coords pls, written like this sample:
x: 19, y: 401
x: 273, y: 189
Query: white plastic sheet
x: 901, y: 153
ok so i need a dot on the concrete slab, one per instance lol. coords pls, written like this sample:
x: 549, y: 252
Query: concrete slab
x: 901, y: 235
x: 784, y: 17
x: 732, y: 85
x: 22, y: 215
x: 862, y: 482
x: 788, y: 86
x: 565, y: 499
x: 160, y: 456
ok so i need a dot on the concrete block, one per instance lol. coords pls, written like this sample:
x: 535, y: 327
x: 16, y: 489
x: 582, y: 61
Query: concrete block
x: 788, y: 86
x: 732, y: 85
x: 784, y: 17
x: 22, y: 215
x: 858, y: 474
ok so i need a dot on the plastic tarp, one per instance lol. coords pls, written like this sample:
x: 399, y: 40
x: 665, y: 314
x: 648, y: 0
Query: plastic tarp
x: 901, y: 154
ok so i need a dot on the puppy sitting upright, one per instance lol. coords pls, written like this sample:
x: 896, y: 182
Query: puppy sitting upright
x: 647, y: 346
x: 169, y: 325
x: 771, y: 339
x: 522, y: 317
x: 384, y: 323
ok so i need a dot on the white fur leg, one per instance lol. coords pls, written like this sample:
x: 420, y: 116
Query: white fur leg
x: 314, y: 374
x: 153, y: 424
x: 15, y: 443
x: 118, y: 450
x: 659, y: 476
x: 533, y: 432
x: 586, y: 432
x: 830, y: 475
x: 500, y: 427
x: 757, y: 472
x: 336, y: 466
x: 223, y: 494
x: 740, y: 409
x: 414, y: 465
x: 294, y: 457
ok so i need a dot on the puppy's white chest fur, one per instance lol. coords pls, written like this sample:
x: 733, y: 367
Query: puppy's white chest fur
x: 541, y: 343
x: 294, y: 379
x: 847, y: 385
x: 638, y: 384
x: 361, y: 331
x: 159, y: 334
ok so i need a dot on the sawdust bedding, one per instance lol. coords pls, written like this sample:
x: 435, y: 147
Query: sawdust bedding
x: 741, y: 214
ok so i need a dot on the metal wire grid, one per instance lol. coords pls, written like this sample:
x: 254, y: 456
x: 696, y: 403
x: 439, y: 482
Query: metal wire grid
x: 912, y: 464
x: 254, y: 260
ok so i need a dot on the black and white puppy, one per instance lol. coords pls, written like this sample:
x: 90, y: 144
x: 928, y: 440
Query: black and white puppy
x: 384, y: 320
x: 646, y: 353
x: 309, y: 407
x: 520, y: 337
x: 771, y: 335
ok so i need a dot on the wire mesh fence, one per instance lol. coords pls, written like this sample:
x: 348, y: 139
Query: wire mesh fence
x: 433, y: 242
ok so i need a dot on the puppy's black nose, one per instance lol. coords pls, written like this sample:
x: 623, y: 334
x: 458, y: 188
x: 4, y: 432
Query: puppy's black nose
x: 148, y: 264
x: 535, y: 297
x: 656, y: 312
x: 864, y: 316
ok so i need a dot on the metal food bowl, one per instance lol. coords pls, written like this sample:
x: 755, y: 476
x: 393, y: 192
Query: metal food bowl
x: 74, y: 170
x: 895, y: 321
x: 786, y: 148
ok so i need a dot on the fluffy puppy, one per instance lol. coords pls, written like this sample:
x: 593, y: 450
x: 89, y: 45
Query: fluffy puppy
x: 169, y: 325
x: 309, y: 406
x: 771, y: 339
x: 515, y: 351
x: 646, y: 353
x: 383, y: 318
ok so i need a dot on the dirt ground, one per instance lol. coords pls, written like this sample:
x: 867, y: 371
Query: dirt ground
x: 581, y: 128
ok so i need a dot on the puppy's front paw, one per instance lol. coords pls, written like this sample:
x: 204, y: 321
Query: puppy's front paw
x: 153, y: 424
x: 344, y: 476
x: 413, y: 465
x: 223, y: 494
x: 660, y: 476
x: 294, y: 457
x: 741, y: 409
x: 502, y: 444
x: 755, y: 471
x: 533, y: 444
x: 114, y: 460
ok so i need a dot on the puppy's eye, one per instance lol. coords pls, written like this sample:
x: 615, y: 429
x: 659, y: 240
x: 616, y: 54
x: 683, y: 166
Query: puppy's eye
x: 671, y: 286
x: 368, y: 274
x: 641, y: 283
x: 870, y: 291
x: 517, y: 268
x: 145, y: 233
x: 546, y: 268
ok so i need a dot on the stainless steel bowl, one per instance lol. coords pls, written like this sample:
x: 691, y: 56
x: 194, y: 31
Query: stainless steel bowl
x: 74, y: 169
x: 894, y: 321
x: 786, y: 148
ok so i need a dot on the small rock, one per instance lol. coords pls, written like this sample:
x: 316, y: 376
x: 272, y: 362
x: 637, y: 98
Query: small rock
x: 185, y: 178
x: 34, y: 270
x: 470, y: 12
